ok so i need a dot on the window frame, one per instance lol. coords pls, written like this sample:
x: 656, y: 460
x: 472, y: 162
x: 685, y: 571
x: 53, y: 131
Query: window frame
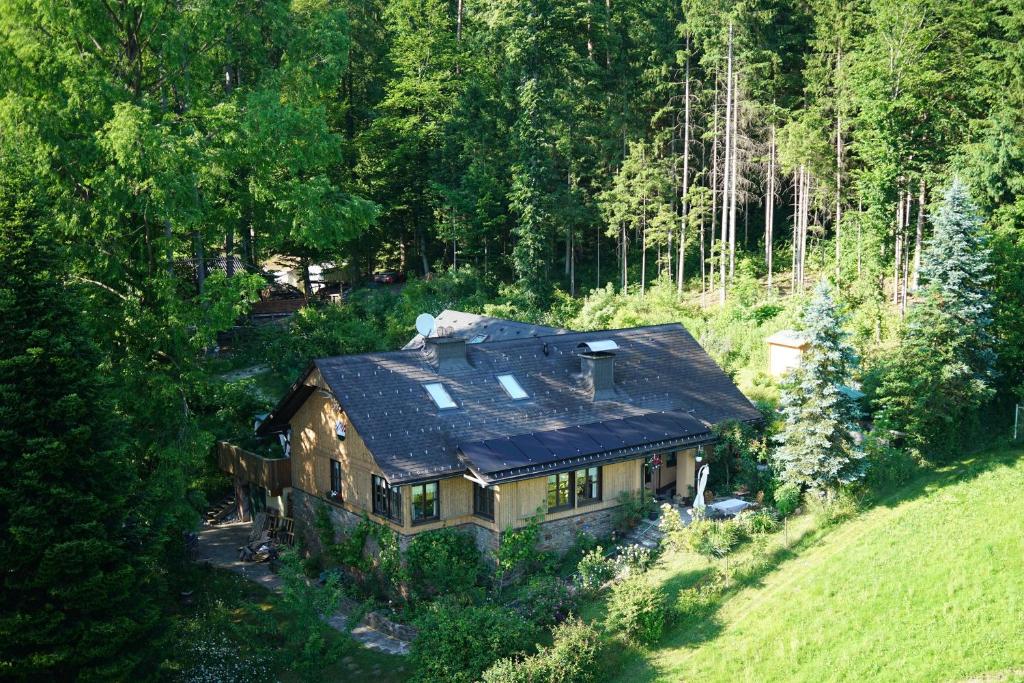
x: 569, y: 491
x: 597, y: 481
x: 436, y: 515
x: 485, y: 494
x: 334, y: 493
x: 672, y: 459
x: 516, y: 385
x: 385, y: 499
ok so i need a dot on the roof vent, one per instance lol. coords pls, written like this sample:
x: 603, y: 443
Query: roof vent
x: 598, y: 345
x: 447, y: 354
x: 597, y: 364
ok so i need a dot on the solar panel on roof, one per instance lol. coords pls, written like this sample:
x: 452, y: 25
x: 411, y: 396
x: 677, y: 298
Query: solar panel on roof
x: 569, y: 442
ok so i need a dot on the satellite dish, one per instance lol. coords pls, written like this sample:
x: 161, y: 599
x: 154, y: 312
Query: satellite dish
x: 425, y: 324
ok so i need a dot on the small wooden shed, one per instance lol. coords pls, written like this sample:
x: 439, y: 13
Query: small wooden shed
x: 785, y: 349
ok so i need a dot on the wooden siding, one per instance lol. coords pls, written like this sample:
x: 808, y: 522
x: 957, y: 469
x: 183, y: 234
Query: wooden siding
x: 516, y: 502
x: 273, y: 474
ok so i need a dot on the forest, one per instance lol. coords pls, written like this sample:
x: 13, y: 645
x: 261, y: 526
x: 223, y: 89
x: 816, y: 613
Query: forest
x: 580, y: 163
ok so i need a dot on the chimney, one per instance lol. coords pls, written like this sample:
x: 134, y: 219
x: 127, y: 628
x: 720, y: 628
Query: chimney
x: 598, y: 368
x: 447, y: 354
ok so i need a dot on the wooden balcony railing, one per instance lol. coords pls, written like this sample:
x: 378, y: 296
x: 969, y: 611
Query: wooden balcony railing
x: 274, y: 474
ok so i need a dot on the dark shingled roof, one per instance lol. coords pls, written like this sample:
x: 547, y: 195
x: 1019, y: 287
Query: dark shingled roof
x: 666, y: 387
x: 469, y: 325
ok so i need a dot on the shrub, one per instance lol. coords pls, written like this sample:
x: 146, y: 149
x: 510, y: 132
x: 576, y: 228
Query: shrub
x: 634, y: 559
x: 573, y: 658
x: 517, y: 550
x: 636, y: 609
x: 694, y: 604
x: 712, y: 539
x: 632, y: 508
x: 758, y: 522
x: 787, y: 499
x: 457, y: 642
x: 545, y: 601
x: 887, y: 467
x: 594, y: 570
x: 672, y: 527
x: 442, y: 561
x: 832, y: 507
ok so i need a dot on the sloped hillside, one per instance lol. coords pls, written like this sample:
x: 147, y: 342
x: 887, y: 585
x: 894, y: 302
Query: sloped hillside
x: 927, y: 586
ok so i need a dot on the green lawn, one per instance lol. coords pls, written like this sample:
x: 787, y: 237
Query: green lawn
x: 926, y: 586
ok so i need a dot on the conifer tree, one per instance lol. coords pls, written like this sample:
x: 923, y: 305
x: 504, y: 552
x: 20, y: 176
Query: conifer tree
x: 942, y: 374
x: 817, y: 449
x: 78, y: 600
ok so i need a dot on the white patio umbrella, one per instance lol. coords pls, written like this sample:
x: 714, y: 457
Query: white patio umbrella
x: 702, y: 482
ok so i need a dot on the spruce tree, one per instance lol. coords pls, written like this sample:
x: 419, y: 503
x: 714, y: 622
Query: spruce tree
x: 77, y: 600
x: 931, y: 390
x: 956, y: 271
x: 816, y: 446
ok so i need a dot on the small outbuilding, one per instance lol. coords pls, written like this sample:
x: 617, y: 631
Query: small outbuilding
x: 785, y: 349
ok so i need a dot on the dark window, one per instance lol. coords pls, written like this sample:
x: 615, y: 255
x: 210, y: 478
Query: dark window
x: 387, y: 499
x: 588, y: 485
x: 648, y: 470
x: 425, y: 503
x: 671, y: 461
x: 335, y: 480
x: 483, y: 501
x: 559, y: 488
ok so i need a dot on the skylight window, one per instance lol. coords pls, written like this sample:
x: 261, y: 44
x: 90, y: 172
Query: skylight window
x: 511, y: 387
x: 478, y: 339
x: 440, y: 395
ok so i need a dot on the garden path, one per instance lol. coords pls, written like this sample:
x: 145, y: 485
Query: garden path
x: 218, y: 547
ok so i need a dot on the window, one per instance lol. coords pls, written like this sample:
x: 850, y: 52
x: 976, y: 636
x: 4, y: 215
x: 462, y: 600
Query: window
x: 387, y: 499
x: 558, y: 491
x: 335, y: 480
x: 425, y: 504
x: 671, y: 460
x: 478, y: 339
x: 588, y: 485
x: 440, y: 395
x: 512, y: 388
x: 483, y: 501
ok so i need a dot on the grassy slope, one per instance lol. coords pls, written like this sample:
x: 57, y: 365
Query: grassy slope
x: 927, y: 586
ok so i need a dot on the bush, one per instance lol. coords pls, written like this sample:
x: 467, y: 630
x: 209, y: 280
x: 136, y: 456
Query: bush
x: 712, y: 539
x: 545, y: 601
x: 832, y: 507
x: 573, y: 658
x: 694, y: 604
x: 672, y: 527
x: 594, y: 570
x: 787, y: 499
x: 632, y: 508
x: 442, y: 561
x: 636, y: 609
x: 634, y: 559
x: 518, y: 549
x: 887, y: 467
x: 457, y: 642
x: 758, y: 522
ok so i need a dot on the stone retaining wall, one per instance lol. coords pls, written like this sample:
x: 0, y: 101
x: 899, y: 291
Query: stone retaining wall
x: 560, y: 535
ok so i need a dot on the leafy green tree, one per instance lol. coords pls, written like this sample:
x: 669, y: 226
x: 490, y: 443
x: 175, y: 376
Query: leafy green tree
x: 81, y: 598
x: 816, y: 446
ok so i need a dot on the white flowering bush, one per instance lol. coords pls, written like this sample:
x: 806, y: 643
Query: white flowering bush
x: 634, y: 559
x: 216, y: 658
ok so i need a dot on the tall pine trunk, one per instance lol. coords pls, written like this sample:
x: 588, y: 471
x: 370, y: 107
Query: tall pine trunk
x: 919, y: 236
x: 726, y: 174
x: 769, y: 207
x: 686, y: 175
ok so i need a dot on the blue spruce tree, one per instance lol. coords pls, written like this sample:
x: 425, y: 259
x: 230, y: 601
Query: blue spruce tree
x: 931, y: 390
x: 816, y: 446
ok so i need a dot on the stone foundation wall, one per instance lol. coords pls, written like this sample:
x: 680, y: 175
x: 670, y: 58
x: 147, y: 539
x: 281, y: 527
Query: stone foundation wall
x: 560, y: 535
x: 304, y: 511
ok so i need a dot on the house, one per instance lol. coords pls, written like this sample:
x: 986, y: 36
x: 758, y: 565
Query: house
x: 486, y: 435
x: 785, y: 349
